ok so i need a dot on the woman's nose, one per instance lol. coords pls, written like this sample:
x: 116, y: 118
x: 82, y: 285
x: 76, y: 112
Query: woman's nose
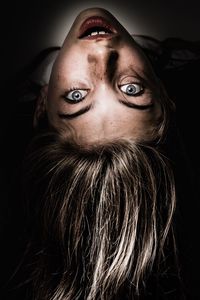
x: 112, y: 65
x: 104, y: 61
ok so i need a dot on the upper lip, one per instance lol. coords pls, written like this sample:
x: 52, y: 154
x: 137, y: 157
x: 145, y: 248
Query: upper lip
x: 96, y: 22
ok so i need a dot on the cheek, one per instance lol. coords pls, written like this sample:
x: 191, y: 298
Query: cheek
x: 133, y: 57
x: 72, y: 62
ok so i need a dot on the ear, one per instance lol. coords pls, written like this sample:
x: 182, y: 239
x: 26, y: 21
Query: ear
x: 40, y: 105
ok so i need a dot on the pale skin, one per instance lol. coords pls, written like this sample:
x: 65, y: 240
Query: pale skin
x: 102, y: 88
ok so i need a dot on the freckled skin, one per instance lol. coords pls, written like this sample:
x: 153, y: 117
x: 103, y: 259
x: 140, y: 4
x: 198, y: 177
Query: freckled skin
x: 101, y: 66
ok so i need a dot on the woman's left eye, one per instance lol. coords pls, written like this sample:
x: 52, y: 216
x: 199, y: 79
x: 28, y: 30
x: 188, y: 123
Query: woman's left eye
x: 76, y: 95
x: 131, y: 89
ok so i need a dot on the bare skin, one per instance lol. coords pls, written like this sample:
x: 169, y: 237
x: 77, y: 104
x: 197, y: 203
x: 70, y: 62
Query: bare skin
x: 101, y: 85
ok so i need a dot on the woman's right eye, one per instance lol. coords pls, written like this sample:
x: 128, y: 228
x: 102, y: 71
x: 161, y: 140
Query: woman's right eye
x: 76, y: 95
x: 132, y: 89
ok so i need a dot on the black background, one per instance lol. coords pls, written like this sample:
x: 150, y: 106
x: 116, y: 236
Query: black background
x: 27, y: 27
x: 30, y: 26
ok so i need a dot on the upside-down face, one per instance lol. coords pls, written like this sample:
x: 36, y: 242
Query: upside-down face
x: 101, y: 85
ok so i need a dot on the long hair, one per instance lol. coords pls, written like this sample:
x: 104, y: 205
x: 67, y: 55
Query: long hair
x: 101, y: 217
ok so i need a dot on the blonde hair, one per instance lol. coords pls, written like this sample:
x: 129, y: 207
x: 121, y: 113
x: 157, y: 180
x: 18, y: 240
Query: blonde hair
x: 103, y: 216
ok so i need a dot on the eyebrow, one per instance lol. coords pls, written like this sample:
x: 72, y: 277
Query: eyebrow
x: 136, y: 106
x: 87, y: 108
x: 76, y: 114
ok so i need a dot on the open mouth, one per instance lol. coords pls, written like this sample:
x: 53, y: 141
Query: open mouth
x: 95, y: 27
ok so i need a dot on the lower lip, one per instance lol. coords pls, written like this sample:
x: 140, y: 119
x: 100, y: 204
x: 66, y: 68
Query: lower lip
x: 96, y: 22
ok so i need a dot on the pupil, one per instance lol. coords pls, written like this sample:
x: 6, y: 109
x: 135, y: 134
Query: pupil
x: 76, y: 95
x: 131, y: 89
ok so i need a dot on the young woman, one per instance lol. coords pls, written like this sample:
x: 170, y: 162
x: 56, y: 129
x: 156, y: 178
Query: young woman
x: 99, y: 185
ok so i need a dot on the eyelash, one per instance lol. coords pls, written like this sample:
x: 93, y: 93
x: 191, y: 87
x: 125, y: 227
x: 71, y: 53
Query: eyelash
x: 136, y: 86
x: 77, y: 89
x: 74, y: 89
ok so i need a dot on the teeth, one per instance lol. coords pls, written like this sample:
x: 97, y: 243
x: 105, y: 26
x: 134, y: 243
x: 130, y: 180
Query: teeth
x: 97, y: 32
x: 94, y: 33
